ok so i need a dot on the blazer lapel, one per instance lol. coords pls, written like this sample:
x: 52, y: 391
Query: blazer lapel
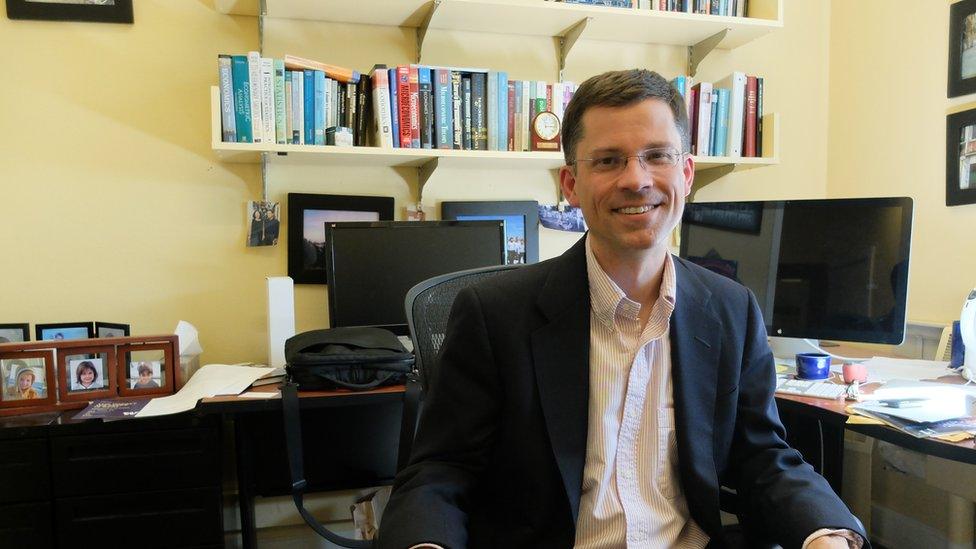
x: 695, y: 347
x: 561, y: 353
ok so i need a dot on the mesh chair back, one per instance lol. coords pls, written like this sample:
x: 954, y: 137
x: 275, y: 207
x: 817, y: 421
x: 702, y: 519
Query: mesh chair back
x: 428, y: 306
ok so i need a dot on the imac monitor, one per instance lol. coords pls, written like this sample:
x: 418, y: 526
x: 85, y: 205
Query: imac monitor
x: 820, y: 269
x: 371, y: 265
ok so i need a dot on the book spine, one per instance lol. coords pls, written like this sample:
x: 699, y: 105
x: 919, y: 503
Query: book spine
x: 268, y: 100
x: 457, y: 101
x: 228, y: 123
x: 517, y: 130
x: 750, y: 130
x: 526, y: 114
x: 712, y: 123
x: 501, y: 97
x: 705, y: 117
x: 510, y: 131
x: 491, y: 97
x: 289, y: 107
x: 414, y: 107
x: 693, y: 119
x: 327, y: 103
x: 466, y: 134
x: 426, y: 92
x: 382, y: 123
x: 403, y: 98
x: 279, y: 101
x: 479, y: 111
x: 352, y: 108
x: 298, y: 89
x: 254, y: 76
x: 364, y: 111
x: 242, y: 98
x: 309, y: 108
x: 319, y: 106
x: 759, y: 117
x: 443, y: 110
x: 394, y: 106
x: 737, y: 113
x: 722, y: 124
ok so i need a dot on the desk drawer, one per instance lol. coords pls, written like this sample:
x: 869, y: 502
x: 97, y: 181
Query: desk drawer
x: 23, y: 471
x: 135, y: 461
x: 26, y: 525
x: 178, y: 518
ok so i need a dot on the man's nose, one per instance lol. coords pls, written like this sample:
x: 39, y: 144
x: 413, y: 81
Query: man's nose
x: 635, y: 176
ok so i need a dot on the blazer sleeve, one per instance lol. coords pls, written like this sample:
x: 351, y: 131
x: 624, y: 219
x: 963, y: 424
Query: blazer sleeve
x: 785, y: 500
x: 433, y: 494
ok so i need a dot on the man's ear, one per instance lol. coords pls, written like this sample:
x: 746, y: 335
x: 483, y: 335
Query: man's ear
x: 567, y: 182
x: 688, y: 171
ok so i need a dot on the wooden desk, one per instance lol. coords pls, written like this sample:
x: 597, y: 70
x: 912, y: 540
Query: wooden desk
x: 330, y: 420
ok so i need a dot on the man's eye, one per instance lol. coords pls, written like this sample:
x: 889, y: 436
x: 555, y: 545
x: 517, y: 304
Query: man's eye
x: 606, y: 161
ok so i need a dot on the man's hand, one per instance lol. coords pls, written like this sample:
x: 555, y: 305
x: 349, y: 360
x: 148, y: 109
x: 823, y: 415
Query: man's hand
x: 829, y: 542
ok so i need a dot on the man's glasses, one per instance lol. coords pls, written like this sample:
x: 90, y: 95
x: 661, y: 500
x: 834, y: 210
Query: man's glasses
x: 655, y: 159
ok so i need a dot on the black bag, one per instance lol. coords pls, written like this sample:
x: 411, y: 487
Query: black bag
x: 356, y: 358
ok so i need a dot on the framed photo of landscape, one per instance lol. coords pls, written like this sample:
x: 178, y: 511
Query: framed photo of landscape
x: 961, y: 158
x: 307, y: 216
x: 962, y: 48
x: 96, y: 11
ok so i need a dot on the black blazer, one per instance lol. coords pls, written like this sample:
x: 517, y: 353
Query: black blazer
x: 499, y: 454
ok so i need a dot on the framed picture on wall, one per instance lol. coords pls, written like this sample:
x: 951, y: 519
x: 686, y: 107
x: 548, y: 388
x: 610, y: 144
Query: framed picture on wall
x: 307, y: 216
x: 962, y: 48
x: 961, y: 158
x: 521, y: 224
x: 98, y: 11
x: 14, y: 333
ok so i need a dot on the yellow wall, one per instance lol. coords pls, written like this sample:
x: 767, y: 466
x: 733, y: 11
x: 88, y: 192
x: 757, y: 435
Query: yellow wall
x: 122, y: 213
x: 888, y: 65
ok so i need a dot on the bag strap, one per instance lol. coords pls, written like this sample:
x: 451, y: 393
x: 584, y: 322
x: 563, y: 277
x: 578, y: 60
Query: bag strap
x: 380, y: 379
x: 408, y: 422
x: 293, y: 446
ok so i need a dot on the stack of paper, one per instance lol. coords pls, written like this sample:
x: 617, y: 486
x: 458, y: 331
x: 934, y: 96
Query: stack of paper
x: 922, y: 409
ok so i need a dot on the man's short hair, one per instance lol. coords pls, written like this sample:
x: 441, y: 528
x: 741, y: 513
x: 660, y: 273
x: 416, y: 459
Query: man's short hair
x: 621, y: 89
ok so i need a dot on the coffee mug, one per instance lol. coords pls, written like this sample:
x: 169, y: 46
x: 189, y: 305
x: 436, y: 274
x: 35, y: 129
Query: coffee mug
x: 812, y: 366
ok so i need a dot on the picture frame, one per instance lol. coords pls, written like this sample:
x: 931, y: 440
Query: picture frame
x: 111, y: 11
x: 14, y: 367
x: 520, y: 216
x: 14, y: 333
x: 66, y: 330
x: 164, y: 370
x: 744, y: 217
x: 111, y: 329
x: 961, y: 158
x: 962, y: 48
x: 98, y: 361
x: 307, y: 216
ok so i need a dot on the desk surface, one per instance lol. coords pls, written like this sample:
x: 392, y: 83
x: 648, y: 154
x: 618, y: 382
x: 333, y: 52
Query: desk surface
x: 309, y: 399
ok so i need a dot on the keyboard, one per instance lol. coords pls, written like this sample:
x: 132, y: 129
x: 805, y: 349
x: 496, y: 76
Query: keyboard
x: 808, y: 388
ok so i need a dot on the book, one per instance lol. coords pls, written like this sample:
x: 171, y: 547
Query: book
x: 309, y: 107
x: 268, y: 100
x: 491, y: 99
x: 289, y: 107
x: 382, y: 123
x: 712, y: 126
x: 749, y: 146
x: 242, y: 98
x: 334, y: 72
x: 426, y: 100
x: 254, y: 77
x: 526, y: 115
x: 364, y: 109
x: 466, y: 131
x: 228, y: 121
x: 443, y: 110
x: 501, y: 97
x: 510, y: 131
x: 759, y: 116
x: 479, y: 111
x: 414, y: 107
x: 298, y: 99
x: 276, y: 376
x: 458, y: 111
x: 722, y: 124
x: 394, y: 106
x: 280, y: 126
x: 112, y: 408
x: 403, y: 101
x: 736, y: 83
x: 703, y: 116
x: 318, y: 106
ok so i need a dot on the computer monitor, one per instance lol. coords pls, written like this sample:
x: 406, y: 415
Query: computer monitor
x: 820, y: 269
x: 371, y: 265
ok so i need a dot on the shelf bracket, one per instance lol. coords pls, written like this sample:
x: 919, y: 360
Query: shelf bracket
x: 424, y: 172
x: 698, y: 52
x: 422, y: 30
x: 567, y: 41
x: 704, y: 177
x: 264, y: 176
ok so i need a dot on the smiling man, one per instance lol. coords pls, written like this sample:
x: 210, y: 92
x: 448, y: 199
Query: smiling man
x: 600, y: 399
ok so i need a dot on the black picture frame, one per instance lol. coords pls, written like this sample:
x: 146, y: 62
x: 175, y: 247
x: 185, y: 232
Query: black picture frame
x: 23, y: 328
x: 528, y: 210
x: 745, y: 217
x: 119, y: 11
x: 306, y: 259
x: 40, y: 329
x: 960, y: 148
x: 962, y: 59
x: 100, y: 327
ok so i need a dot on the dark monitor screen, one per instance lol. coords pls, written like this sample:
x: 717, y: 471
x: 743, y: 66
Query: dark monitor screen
x: 820, y: 269
x: 371, y: 265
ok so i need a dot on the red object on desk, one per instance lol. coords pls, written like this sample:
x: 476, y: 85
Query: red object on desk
x: 855, y: 372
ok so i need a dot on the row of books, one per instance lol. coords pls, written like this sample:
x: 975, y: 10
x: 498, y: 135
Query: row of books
x: 725, y: 117
x: 299, y: 101
x: 731, y: 8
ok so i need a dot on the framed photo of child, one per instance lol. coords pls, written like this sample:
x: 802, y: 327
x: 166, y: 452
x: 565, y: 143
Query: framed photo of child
x: 87, y: 373
x: 145, y: 369
x: 26, y: 379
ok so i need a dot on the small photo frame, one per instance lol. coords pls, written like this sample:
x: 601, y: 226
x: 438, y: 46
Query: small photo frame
x: 961, y: 158
x: 145, y: 369
x: 962, y: 48
x: 14, y: 333
x: 86, y: 373
x: 521, y: 224
x: 110, y: 329
x: 307, y: 217
x: 26, y: 379
x: 96, y: 11
x: 263, y: 223
x: 64, y: 331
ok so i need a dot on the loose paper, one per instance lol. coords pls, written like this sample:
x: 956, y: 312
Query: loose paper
x: 210, y: 380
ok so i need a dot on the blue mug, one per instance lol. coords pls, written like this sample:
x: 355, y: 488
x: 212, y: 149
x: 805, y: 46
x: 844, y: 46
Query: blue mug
x: 812, y: 366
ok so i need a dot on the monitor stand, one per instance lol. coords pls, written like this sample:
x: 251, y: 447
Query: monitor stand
x: 785, y: 349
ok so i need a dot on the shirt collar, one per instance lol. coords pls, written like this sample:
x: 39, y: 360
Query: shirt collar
x: 607, y: 300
